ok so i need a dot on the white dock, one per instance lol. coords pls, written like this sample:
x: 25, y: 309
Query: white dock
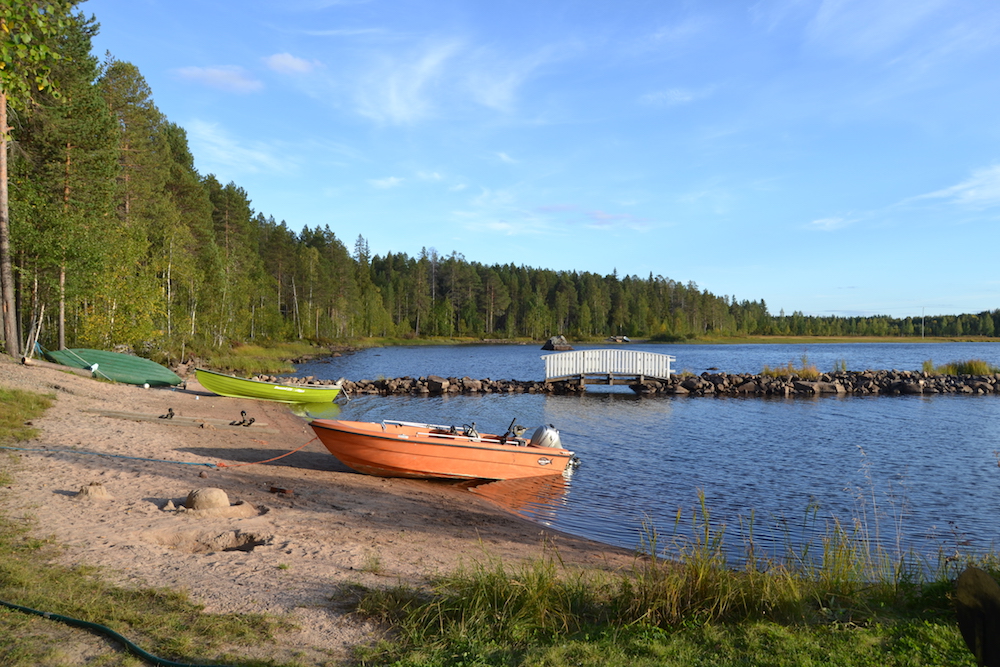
x: 607, y: 366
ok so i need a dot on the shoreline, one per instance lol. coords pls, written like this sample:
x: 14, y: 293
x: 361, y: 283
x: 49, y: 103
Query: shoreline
x: 315, y: 528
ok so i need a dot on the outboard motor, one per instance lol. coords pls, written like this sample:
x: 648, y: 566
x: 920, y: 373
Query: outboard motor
x: 546, y: 436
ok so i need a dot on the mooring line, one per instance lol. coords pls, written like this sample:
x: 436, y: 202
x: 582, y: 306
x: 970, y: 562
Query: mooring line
x: 218, y: 464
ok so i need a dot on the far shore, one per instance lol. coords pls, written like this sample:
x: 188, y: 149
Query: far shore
x: 363, y: 343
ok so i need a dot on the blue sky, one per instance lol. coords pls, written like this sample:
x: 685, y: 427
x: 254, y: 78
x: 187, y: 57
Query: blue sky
x: 828, y: 156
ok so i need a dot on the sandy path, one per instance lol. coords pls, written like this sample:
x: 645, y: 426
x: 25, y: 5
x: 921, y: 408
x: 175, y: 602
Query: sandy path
x: 330, y: 527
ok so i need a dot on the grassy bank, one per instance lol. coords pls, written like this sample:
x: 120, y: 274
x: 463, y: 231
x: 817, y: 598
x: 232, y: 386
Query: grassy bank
x: 822, y: 340
x: 852, y: 603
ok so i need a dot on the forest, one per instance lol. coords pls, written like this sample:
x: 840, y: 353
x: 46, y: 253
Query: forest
x: 113, y: 239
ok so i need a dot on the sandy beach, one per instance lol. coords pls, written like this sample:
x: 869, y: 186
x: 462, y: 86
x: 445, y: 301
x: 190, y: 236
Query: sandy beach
x: 299, y: 528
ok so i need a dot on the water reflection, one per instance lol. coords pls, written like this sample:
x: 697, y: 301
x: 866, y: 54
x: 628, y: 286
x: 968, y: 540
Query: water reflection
x: 534, y: 498
x: 327, y: 410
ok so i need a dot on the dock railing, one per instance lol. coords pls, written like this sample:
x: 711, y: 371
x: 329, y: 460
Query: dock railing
x: 605, y: 366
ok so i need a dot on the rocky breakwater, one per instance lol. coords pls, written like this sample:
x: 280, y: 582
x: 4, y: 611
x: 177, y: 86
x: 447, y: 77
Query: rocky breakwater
x: 435, y: 385
x: 855, y: 383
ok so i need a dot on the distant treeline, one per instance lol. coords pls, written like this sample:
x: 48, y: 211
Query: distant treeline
x: 118, y: 240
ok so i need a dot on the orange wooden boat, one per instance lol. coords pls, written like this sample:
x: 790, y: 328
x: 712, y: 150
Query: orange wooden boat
x: 426, y: 451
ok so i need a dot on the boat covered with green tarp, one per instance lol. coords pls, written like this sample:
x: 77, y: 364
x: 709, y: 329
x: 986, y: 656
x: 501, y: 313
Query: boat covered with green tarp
x: 237, y: 387
x: 114, y: 366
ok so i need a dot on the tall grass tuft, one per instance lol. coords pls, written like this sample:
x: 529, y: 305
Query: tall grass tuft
x: 805, y: 370
x: 968, y: 367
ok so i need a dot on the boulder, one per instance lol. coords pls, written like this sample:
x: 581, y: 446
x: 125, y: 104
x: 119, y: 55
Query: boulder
x: 437, y: 384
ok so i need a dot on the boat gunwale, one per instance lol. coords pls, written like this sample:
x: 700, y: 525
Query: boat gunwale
x: 498, y: 447
x: 338, y: 385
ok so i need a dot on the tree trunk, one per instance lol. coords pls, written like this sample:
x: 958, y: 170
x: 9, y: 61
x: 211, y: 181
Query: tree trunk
x: 62, y: 307
x: 6, y: 274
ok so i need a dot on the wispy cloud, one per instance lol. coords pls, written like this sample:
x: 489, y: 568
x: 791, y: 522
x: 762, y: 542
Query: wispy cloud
x: 344, y: 32
x: 981, y: 190
x: 863, y: 28
x: 605, y: 220
x: 286, y: 63
x: 506, y: 158
x: 231, y: 79
x: 830, y: 224
x: 399, y: 90
x: 218, y: 151
x: 386, y: 183
x: 445, y: 76
x: 675, y: 96
x: 669, y: 37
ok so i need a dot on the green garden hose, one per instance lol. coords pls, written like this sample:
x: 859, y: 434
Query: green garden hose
x: 108, y: 632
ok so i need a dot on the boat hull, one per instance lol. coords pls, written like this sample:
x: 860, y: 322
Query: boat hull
x: 423, y: 452
x: 115, y: 366
x: 236, y: 387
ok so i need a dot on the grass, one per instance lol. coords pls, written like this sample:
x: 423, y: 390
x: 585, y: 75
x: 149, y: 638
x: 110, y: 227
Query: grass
x: 259, y: 359
x: 17, y: 409
x: 163, y: 622
x: 968, y: 367
x: 804, y: 371
x: 853, y: 604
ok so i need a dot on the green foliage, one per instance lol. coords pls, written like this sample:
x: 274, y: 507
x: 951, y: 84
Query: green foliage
x: 968, y: 367
x: 26, y: 52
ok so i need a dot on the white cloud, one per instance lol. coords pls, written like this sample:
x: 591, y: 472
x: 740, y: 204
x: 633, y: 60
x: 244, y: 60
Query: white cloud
x: 829, y: 224
x: 604, y: 220
x: 286, y: 63
x: 981, y: 190
x: 506, y: 158
x: 217, y: 151
x: 429, y: 176
x: 344, y: 32
x: 399, y: 89
x: 675, y: 96
x: 227, y: 77
x: 385, y: 183
x: 863, y: 28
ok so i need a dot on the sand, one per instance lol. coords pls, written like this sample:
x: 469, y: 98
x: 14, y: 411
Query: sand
x: 298, y: 531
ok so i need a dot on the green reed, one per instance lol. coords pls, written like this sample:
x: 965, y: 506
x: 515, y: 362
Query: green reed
x: 967, y: 367
x: 805, y: 370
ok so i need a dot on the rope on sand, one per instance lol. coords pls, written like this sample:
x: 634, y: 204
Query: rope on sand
x: 219, y: 464
x: 114, y: 456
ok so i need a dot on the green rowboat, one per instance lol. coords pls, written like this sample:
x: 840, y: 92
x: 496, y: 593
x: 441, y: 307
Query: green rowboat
x: 236, y: 387
x: 114, y: 366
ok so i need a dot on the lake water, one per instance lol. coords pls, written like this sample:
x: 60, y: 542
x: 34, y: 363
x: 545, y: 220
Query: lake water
x: 921, y: 470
